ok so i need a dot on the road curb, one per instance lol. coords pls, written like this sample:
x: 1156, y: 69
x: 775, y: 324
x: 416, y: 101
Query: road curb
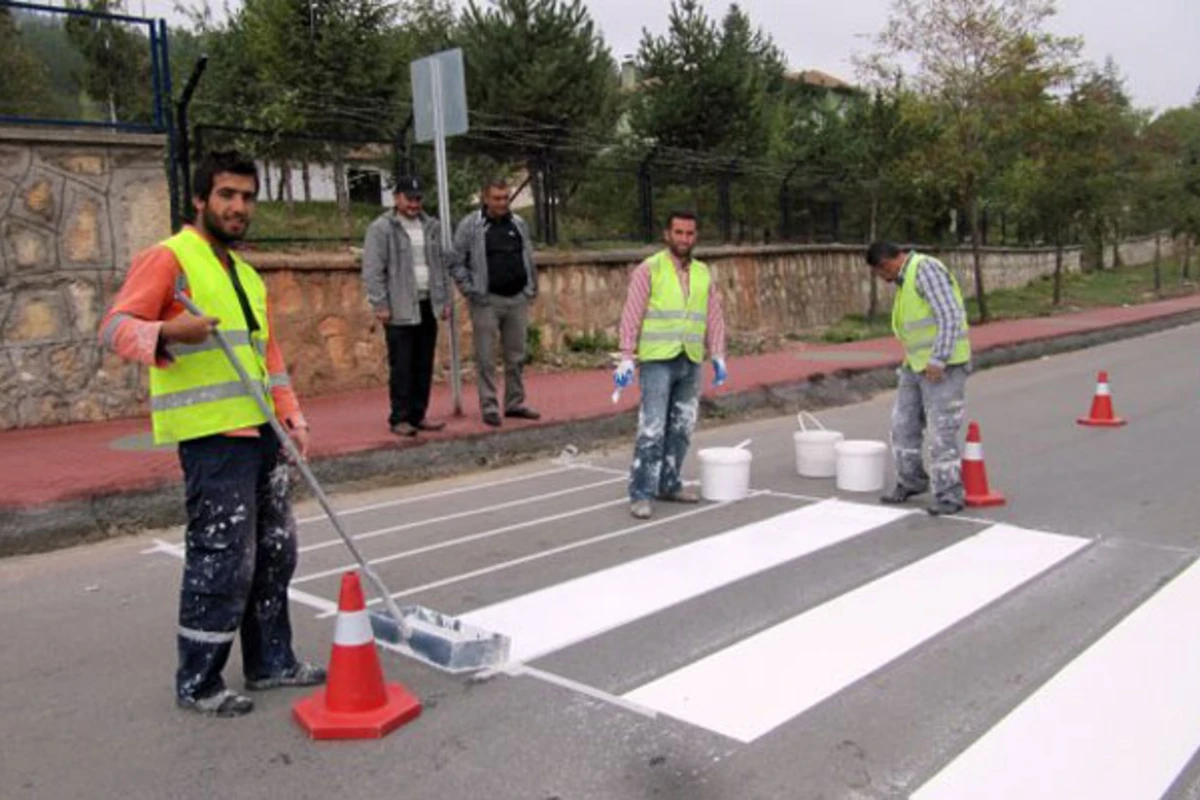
x: 59, y: 525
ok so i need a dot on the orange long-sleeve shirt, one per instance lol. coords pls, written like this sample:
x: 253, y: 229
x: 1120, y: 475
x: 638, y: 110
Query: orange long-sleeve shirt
x: 132, y: 328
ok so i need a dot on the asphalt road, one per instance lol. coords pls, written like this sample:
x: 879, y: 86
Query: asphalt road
x: 785, y: 646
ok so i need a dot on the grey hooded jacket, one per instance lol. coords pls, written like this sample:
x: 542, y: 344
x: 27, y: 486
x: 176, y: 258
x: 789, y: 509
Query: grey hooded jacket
x: 468, y: 260
x: 387, y: 268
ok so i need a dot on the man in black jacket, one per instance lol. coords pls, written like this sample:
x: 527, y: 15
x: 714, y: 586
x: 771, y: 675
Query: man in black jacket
x: 492, y: 263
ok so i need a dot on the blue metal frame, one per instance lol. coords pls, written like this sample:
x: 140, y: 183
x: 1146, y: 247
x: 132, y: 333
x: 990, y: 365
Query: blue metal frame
x: 160, y: 71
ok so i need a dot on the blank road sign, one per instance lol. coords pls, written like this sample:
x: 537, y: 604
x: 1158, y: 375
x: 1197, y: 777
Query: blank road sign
x: 445, y: 69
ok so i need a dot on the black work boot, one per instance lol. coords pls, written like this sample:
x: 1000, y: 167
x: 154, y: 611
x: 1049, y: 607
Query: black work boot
x: 223, y: 703
x: 299, y: 674
x: 944, y: 508
x: 898, y: 495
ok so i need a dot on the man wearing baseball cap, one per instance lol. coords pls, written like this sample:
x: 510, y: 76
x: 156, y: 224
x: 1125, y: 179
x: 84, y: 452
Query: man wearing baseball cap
x: 405, y: 279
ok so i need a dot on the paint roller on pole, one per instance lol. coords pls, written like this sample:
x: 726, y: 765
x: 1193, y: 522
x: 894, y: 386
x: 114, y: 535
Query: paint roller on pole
x: 439, y: 110
x: 427, y: 635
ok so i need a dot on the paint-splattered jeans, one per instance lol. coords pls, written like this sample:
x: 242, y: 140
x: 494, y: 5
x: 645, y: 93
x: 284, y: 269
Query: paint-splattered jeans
x: 940, y: 407
x: 240, y: 556
x: 670, y: 400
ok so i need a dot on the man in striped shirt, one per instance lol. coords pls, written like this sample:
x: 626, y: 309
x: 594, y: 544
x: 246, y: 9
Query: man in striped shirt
x: 672, y: 317
x: 930, y: 320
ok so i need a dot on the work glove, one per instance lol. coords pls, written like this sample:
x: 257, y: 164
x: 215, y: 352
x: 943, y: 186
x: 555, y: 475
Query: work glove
x: 623, y: 374
x: 719, y: 373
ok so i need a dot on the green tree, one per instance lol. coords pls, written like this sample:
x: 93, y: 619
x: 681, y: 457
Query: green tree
x: 542, y: 88
x: 1171, y: 149
x: 707, y: 87
x: 321, y: 68
x: 1116, y: 165
x: 116, y: 62
x: 26, y: 84
x: 1057, y: 185
x: 981, y: 61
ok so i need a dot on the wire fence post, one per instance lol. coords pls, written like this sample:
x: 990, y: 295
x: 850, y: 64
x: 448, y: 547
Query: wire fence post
x: 724, y: 204
x: 183, y: 154
x: 646, y: 198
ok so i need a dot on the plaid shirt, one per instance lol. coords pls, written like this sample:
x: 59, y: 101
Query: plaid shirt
x: 935, y: 287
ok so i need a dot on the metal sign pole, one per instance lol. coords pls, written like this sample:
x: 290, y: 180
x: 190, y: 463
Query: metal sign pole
x: 443, y: 188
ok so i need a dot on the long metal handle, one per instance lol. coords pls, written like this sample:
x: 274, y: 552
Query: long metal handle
x: 256, y: 390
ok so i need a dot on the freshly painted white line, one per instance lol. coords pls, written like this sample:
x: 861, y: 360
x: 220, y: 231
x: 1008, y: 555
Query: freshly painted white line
x: 1120, y: 721
x: 805, y: 497
x: 518, y: 670
x: 605, y: 470
x: 516, y: 562
x: 161, y: 546
x: 535, y: 498
x: 914, y: 507
x: 791, y: 667
x: 558, y: 616
x: 474, y: 537
x: 434, y: 495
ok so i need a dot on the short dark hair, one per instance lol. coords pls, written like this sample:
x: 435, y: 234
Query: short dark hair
x: 495, y: 182
x: 680, y: 214
x: 878, y: 252
x: 217, y: 162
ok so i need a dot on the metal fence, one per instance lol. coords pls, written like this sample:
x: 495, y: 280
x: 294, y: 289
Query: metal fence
x: 73, y: 66
x: 600, y: 203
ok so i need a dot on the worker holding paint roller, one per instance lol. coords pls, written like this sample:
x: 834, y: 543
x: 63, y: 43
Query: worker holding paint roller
x: 241, y: 534
x: 930, y: 320
x: 672, y: 317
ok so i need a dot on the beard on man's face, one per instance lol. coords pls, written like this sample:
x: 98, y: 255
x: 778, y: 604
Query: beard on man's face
x: 217, y: 227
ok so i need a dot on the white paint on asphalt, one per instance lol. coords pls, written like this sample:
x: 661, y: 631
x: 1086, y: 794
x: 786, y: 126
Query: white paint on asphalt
x: 516, y: 562
x: 535, y: 498
x: 1120, y: 721
x: 559, y: 616
x: 750, y: 688
x: 474, y: 487
x: 519, y: 670
x: 474, y: 537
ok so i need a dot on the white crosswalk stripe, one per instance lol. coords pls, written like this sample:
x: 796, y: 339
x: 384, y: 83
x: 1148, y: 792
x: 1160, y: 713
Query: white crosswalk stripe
x: 1119, y: 721
x: 553, y: 618
x: 798, y: 663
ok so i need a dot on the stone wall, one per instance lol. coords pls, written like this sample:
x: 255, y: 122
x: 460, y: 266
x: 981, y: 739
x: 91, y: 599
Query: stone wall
x: 332, y: 342
x: 74, y: 207
x: 1140, y: 251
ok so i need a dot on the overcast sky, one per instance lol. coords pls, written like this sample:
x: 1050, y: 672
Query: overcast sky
x: 1157, y: 47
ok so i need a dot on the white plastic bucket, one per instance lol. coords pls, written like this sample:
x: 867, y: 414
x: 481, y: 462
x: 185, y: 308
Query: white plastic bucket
x: 724, y: 473
x: 860, y: 465
x: 815, y: 453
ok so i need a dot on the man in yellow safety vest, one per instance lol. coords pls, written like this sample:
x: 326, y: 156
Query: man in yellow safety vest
x: 241, y: 535
x: 672, y: 317
x: 930, y: 320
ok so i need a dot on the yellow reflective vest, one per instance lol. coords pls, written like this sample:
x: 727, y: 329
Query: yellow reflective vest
x: 199, y: 394
x: 672, y: 325
x: 913, y: 321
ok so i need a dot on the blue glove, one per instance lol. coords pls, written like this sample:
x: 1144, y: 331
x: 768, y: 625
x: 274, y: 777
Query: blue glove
x: 623, y: 374
x: 719, y: 373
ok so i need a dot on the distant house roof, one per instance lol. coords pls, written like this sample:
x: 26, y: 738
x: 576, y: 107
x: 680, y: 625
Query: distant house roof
x: 823, y: 80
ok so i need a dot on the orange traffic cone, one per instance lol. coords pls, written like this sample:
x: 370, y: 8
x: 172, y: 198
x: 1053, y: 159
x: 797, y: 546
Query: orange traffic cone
x: 355, y: 703
x: 1101, y: 415
x: 974, y: 473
